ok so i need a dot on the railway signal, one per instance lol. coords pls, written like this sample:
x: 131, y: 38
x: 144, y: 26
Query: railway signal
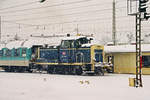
x: 141, y: 6
x: 143, y: 9
x: 146, y: 15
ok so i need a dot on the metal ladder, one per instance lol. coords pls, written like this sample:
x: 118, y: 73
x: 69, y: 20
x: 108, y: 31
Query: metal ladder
x: 138, y: 80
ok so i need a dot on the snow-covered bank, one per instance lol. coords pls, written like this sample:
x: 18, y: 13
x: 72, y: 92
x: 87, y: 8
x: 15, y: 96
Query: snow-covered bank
x: 25, y: 86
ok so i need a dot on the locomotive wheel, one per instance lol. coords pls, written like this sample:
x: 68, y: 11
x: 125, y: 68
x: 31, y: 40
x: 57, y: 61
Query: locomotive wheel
x: 50, y: 70
x: 79, y: 71
x: 99, y: 71
x: 7, y: 69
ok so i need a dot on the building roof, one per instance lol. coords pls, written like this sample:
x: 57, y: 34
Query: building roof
x: 126, y: 48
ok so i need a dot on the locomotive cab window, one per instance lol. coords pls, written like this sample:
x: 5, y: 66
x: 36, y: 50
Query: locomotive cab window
x: 83, y: 40
x: 67, y: 44
x: 76, y: 44
x: 98, y: 56
x: 70, y: 44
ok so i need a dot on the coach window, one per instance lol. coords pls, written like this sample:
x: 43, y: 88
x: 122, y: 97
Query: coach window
x: 8, y: 52
x: 24, y: 52
x: 17, y: 52
x: 146, y: 61
x: 1, y: 52
x: 4, y: 52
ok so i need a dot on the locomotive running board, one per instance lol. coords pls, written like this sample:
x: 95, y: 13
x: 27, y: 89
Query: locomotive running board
x: 62, y: 63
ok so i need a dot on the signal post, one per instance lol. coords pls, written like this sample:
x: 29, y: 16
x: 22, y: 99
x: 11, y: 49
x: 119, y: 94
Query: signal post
x: 141, y: 15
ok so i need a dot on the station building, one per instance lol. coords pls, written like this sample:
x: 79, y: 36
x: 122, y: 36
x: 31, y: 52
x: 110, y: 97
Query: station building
x: 123, y: 58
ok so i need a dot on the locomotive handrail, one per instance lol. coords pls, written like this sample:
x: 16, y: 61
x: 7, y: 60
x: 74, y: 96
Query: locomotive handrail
x: 82, y: 58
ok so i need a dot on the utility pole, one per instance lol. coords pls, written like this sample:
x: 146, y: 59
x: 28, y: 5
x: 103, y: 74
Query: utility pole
x: 142, y: 10
x: 114, y: 23
x: 138, y: 81
x: 142, y: 7
x: 0, y: 27
x: 62, y: 28
x: 77, y: 29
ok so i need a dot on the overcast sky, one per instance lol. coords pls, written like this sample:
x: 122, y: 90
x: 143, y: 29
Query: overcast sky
x: 63, y: 16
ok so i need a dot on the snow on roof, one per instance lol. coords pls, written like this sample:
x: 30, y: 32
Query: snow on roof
x: 30, y: 43
x: 54, y: 41
x: 125, y: 48
x: 42, y: 41
x: 2, y: 46
x: 14, y: 44
x: 73, y: 37
x: 93, y: 42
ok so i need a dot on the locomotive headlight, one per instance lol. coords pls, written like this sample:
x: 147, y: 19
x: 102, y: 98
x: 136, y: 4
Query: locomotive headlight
x: 33, y: 56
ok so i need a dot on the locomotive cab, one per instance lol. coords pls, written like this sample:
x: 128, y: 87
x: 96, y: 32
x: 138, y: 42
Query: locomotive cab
x: 74, y: 42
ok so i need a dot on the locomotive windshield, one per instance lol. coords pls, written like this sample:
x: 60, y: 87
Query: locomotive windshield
x: 74, y: 43
x: 83, y: 40
x: 69, y: 44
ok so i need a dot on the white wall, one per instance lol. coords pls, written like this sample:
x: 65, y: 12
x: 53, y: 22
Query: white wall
x: 94, y: 16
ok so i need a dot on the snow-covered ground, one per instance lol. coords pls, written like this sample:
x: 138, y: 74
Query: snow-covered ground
x: 25, y: 86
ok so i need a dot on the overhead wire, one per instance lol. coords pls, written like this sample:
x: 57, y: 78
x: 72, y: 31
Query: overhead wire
x: 47, y: 16
x: 60, y: 4
x: 50, y: 6
x: 18, y: 23
x: 85, y: 12
x: 20, y: 5
x: 36, y: 18
x: 61, y: 15
x: 93, y: 5
x: 54, y: 23
x: 86, y: 20
x: 68, y: 21
x: 75, y: 21
x: 43, y: 7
